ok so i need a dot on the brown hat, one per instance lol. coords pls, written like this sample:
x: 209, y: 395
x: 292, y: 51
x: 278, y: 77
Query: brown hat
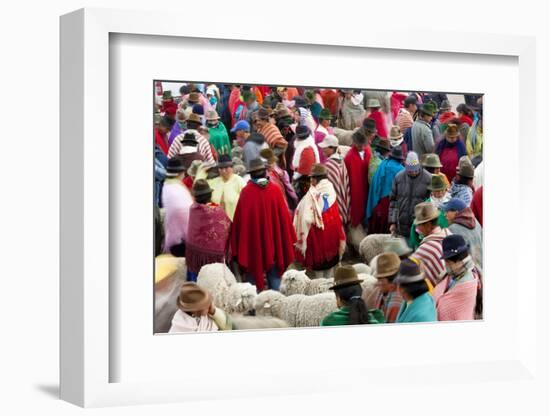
x: 387, y: 264
x: 262, y: 114
x: 268, y: 155
x: 212, y: 115
x: 438, y: 183
x: 465, y: 167
x: 345, y: 276
x: 431, y: 160
x: 194, y: 97
x: 194, y: 118
x: 383, y: 144
x: 452, y: 130
x: 424, y: 212
x: 193, y: 298
x: 318, y: 170
x: 409, y: 272
x: 201, y: 187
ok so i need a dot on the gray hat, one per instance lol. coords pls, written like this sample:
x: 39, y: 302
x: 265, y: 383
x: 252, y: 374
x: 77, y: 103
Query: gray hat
x: 409, y: 272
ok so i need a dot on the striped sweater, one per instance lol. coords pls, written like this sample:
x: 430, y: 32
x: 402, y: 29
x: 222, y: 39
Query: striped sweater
x: 429, y: 253
x: 203, y: 147
x: 338, y: 175
x: 273, y: 136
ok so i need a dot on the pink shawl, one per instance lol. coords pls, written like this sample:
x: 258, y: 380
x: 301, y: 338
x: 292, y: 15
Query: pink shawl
x: 176, y: 200
x: 458, y: 303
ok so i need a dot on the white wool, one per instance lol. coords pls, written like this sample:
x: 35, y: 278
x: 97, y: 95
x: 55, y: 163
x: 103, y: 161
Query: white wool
x: 356, y: 235
x: 373, y: 264
x: 372, y: 245
x: 297, y: 310
x: 370, y: 290
x: 226, y: 293
x: 362, y: 268
x: 298, y: 282
x: 257, y: 322
x: 166, y: 295
x: 344, y: 136
x: 343, y: 150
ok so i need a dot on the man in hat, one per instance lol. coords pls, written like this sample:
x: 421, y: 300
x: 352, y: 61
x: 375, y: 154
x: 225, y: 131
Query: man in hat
x: 263, y: 125
x: 322, y: 130
x: 462, y: 221
x: 378, y: 202
x: 251, y: 149
x: 337, y: 174
x: 373, y: 105
x: 458, y: 295
x: 227, y: 187
x: 389, y: 299
x: 381, y: 150
x: 405, y: 117
x: 396, y: 139
x: 169, y: 106
x: 462, y: 185
x: 450, y: 149
x: 352, y: 309
x: 218, y: 136
x: 369, y: 130
x: 176, y: 201
x: 197, y: 313
x: 321, y: 240
x: 208, y: 231
x: 203, y: 147
x: 306, y: 153
x: 418, y: 305
x: 409, y: 188
x: 357, y: 163
x: 421, y: 131
x: 241, y: 130
x: 262, y: 235
x: 188, y: 151
x: 429, y: 252
x: 194, y: 98
x: 351, y: 109
x: 161, y: 133
x: 432, y: 164
x: 279, y: 177
x: 439, y: 195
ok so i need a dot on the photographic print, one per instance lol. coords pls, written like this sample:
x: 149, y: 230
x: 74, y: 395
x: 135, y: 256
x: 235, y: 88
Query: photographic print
x: 291, y: 206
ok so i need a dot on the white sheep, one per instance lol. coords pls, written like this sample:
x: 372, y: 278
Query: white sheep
x: 372, y: 245
x: 226, y: 293
x: 344, y: 136
x: 297, y: 282
x: 256, y: 322
x: 362, y: 268
x: 296, y: 310
x: 370, y: 289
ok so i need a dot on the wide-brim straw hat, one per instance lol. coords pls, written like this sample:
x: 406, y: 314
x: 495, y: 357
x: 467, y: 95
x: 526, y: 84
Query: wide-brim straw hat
x: 193, y: 298
x: 345, y: 276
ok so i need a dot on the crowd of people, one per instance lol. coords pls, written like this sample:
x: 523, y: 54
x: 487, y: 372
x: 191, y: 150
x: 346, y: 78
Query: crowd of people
x: 265, y: 178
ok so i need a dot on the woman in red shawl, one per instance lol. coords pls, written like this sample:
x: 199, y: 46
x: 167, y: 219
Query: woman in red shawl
x: 378, y: 116
x: 321, y: 238
x: 208, y: 231
x: 357, y: 163
x: 262, y: 235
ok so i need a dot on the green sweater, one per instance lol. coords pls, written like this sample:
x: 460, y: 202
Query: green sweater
x: 220, y: 139
x: 341, y: 317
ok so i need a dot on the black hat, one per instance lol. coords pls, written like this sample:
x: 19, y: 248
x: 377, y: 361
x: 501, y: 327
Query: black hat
x: 302, y: 132
x: 201, y: 187
x: 299, y: 101
x: 370, y: 125
x: 189, y: 138
x: 359, y: 137
x: 174, y: 167
x: 411, y: 99
x: 453, y: 245
x: 256, y: 165
x: 397, y: 153
x: 409, y: 272
x: 225, y: 161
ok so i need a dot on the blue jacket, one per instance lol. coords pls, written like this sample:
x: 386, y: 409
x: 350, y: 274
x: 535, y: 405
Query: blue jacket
x: 422, y: 309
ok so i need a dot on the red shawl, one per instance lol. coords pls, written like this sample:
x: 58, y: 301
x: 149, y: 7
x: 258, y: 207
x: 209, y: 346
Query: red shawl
x: 477, y: 205
x: 465, y: 119
x: 262, y: 234
x: 161, y: 141
x: 207, y: 236
x: 380, y: 121
x: 358, y: 181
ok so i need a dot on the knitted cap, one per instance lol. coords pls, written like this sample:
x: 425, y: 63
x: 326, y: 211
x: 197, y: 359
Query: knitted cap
x: 412, y: 164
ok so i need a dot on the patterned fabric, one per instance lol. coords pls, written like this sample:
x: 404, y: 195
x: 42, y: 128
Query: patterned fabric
x: 429, y: 253
x: 404, y: 120
x: 273, y: 136
x: 203, y: 148
x: 389, y: 304
x: 458, y: 302
x: 207, y: 236
x: 338, y: 176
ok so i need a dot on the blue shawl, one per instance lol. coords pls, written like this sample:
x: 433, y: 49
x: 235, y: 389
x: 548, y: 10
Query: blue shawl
x: 382, y: 182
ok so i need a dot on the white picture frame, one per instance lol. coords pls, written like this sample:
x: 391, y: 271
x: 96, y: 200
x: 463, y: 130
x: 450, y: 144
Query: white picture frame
x: 86, y: 352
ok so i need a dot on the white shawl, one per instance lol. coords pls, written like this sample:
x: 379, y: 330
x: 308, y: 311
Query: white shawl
x: 299, y: 146
x: 183, y: 322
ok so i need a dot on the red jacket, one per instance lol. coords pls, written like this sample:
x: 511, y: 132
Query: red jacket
x: 358, y: 171
x: 162, y: 141
x: 380, y: 120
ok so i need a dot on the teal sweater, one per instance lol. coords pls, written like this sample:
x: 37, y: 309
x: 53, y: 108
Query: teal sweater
x: 422, y: 309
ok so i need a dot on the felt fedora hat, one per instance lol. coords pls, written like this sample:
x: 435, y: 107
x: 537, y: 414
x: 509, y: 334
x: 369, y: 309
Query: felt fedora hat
x: 445, y: 105
x: 465, y: 167
x: 437, y: 184
x: 384, y: 144
x: 409, y: 272
x: 193, y: 298
x: 431, y: 160
x: 201, y: 187
x: 212, y: 115
x: 268, y: 155
x: 453, y: 245
x: 424, y: 212
x: 397, y: 153
x: 174, y: 167
x: 193, y: 97
x: 256, y: 165
x: 345, y: 276
x: 452, y: 130
x: 194, y: 118
x: 318, y: 170
x: 224, y: 161
x: 373, y: 103
x: 387, y: 264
